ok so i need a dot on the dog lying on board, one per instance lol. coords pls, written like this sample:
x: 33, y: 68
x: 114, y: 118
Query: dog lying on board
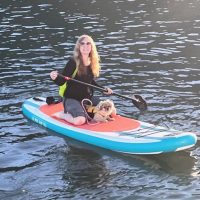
x: 103, y: 112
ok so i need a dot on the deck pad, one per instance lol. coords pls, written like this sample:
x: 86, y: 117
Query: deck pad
x: 119, y: 124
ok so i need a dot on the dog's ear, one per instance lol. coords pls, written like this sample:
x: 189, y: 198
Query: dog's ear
x: 108, y: 101
x: 112, y: 103
x: 99, y: 105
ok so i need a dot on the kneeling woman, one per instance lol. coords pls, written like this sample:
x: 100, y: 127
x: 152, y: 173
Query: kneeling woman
x: 84, y: 66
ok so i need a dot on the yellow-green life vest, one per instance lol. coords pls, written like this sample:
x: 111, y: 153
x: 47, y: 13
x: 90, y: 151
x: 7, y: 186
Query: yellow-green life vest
x: 63, y: 87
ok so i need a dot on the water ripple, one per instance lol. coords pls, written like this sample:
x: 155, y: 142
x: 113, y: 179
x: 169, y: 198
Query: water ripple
x: 146, y: 48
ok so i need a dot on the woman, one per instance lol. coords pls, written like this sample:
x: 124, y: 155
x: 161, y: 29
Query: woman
x: 86, y: 61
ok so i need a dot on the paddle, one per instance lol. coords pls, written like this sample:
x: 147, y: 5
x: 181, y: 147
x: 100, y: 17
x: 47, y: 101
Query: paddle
x: 137, y: 100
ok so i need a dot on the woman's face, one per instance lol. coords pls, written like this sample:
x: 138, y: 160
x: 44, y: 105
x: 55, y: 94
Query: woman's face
x: 85, y: 46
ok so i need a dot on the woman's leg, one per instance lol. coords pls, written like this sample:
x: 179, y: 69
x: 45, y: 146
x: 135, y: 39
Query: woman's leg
x: 74, y: 120
x: 74, y: 112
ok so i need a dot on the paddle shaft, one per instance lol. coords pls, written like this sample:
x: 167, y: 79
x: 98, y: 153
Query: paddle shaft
x: 96, y: 87
x: 137, y: 100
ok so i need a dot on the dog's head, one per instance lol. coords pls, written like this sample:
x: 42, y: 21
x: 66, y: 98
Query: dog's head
x: 105, y: 107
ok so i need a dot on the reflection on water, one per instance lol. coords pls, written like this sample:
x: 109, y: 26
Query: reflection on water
x: 146, y: 47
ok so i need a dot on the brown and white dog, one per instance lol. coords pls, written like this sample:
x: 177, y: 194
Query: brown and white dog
x: 105, y: 111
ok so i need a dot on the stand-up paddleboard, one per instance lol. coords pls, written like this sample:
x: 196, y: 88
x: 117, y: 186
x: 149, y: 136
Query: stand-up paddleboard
x: 123, y: 135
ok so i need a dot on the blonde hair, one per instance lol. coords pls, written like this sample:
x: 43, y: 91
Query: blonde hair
x: 94, y: 57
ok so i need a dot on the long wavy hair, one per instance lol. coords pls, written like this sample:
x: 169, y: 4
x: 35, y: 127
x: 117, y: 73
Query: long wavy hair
x: 94, y: 56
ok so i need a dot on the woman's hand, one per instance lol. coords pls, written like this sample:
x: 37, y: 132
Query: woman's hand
x: 108, y: 91
x: 54, y: 75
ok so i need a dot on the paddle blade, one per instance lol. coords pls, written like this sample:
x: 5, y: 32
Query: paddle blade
x: 139, y: 102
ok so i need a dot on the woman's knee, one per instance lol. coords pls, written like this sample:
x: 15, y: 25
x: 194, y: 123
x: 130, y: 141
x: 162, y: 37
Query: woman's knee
x: 79, y: 120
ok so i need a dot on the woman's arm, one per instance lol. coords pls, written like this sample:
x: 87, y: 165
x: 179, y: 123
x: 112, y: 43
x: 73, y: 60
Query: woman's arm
x: 67, y: 71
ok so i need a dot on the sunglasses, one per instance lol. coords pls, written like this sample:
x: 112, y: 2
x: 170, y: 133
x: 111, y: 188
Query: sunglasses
x: 85, y: 43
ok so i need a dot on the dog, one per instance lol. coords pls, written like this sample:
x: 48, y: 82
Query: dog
x: 104, y: 111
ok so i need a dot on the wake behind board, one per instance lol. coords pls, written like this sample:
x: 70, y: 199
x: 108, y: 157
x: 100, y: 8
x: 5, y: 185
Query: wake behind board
x: 123, y: 135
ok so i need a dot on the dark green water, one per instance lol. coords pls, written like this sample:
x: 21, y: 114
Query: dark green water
x: 147, y: 47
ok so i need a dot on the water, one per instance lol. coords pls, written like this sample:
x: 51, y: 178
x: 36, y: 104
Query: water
x: 147, y: 47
